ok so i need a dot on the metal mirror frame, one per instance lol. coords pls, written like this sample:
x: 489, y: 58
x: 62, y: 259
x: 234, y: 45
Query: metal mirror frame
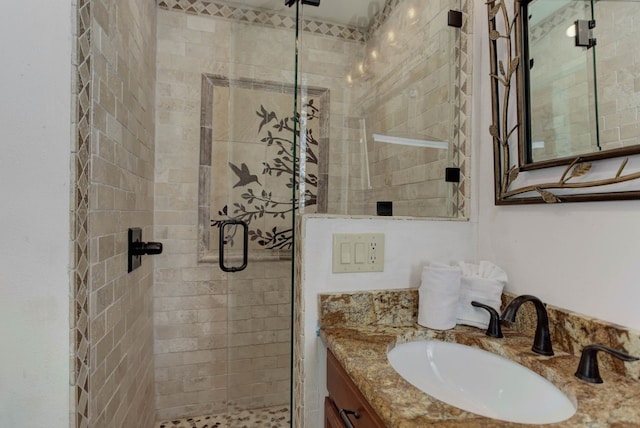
x: 576, y: 182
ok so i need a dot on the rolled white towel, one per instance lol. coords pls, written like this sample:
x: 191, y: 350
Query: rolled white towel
x: 483, y: 269
x: 470, y: 315
x: 439, y: 295
x: 482, y: 282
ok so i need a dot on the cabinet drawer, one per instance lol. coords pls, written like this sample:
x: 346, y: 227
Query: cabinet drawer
x: 345, y: 395
x: 331, y: 415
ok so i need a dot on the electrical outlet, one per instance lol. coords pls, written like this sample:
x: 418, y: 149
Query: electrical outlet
x: 358, y: 252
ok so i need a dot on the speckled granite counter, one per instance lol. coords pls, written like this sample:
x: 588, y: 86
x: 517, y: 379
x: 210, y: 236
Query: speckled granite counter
x: 359, y: 329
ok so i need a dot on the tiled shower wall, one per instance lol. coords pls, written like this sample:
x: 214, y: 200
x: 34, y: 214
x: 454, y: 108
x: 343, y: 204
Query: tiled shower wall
x: 122, y: 104
x: 410, y: 80
x: 216, y: 332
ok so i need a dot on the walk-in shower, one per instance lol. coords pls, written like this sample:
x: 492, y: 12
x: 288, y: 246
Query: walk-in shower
x: 267, y: 110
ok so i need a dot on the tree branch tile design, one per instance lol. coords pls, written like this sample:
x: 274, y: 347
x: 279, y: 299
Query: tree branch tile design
x: 277, y: 133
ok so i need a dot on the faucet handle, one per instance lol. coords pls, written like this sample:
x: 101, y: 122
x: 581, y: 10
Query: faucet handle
x: 494, y: 329
x: 588, y: 367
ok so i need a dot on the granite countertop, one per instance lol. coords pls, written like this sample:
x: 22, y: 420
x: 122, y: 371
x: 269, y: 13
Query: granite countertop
x: 362, y: 349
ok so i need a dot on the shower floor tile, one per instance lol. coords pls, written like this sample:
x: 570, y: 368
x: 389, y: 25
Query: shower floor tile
x: 272, y: 417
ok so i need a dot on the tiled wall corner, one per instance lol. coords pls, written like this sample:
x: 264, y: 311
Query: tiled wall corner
x: 113, y: 169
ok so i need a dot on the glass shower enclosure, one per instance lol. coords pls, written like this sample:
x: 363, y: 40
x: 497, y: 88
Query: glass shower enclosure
x: 344, y: 108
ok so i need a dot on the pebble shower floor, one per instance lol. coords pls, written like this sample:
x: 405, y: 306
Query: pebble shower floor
x: 272, y: 417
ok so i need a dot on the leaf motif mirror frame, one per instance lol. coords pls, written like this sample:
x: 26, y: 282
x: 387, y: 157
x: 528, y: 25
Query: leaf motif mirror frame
x: 601, y: 176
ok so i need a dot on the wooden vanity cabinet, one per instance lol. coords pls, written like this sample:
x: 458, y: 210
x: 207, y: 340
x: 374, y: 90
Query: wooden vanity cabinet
x: 344, y: 396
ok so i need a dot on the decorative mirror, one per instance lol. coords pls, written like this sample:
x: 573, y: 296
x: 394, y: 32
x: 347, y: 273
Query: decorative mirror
x: 566, y: 100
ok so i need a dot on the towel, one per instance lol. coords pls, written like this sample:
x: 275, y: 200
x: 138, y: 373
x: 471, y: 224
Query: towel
x: 439, y: 294
x: 482, y: 282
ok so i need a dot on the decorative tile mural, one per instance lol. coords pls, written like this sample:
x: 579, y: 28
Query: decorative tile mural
x: 247, y: 169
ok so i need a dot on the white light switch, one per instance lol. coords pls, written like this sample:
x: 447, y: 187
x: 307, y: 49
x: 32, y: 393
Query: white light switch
x: 345, y: 253
x: 358, y: 252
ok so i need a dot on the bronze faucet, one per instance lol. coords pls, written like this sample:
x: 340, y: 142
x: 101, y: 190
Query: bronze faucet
x: 542, y: 339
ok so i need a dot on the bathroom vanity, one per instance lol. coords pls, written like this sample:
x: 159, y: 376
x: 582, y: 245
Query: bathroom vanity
x: 359, y: 329
x: 345, y: 403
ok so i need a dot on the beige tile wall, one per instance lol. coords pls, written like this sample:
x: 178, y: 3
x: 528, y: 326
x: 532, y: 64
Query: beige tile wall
x: 121, y: 196
x: 408, y: 72
x: 206, y: 326
x: 326, y: 62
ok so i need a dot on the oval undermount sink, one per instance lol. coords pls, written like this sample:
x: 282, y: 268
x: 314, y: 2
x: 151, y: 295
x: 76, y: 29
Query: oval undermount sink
x: 480, y: 382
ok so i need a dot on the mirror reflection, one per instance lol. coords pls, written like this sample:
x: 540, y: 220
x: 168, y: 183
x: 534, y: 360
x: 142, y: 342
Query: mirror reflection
x: 582, y: 78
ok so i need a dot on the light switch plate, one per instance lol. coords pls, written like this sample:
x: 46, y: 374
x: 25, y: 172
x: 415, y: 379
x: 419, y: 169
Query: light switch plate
x: 358, y: 252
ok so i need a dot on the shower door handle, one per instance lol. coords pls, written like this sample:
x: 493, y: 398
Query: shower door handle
x: 245, y: 248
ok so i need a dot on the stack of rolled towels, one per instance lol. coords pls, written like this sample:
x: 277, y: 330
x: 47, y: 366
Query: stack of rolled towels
x: 446, y: 292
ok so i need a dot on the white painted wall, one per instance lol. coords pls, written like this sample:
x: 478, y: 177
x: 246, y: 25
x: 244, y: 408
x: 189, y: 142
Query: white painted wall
x: 35, y: 139
x: 583, y: 256
x: 409, y: 244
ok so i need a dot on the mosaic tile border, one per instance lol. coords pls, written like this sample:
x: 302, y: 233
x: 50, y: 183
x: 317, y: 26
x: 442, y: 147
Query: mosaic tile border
x: 80, y: 199
x: 464, y: 120
x: 250, y: 15
x: 456, y: 77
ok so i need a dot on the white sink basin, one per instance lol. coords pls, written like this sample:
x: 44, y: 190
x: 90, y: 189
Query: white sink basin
x: 480, y: 382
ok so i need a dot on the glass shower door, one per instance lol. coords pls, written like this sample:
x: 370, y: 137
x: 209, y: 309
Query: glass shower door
x: 251, y: 210
x: 256, y: 244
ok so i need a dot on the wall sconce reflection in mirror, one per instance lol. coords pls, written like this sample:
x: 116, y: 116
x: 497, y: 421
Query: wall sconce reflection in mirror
x: 567, y: 174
